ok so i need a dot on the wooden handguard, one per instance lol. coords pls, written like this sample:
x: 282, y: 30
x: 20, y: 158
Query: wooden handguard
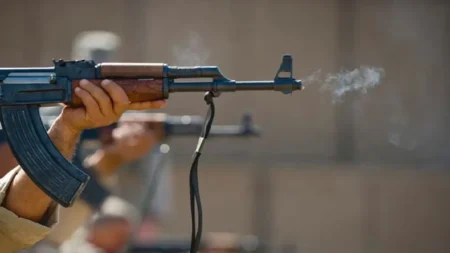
x: 131, y: 70
x: 137, y: 90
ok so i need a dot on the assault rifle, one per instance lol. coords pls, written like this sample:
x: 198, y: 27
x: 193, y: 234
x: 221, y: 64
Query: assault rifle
x: 24, y: 90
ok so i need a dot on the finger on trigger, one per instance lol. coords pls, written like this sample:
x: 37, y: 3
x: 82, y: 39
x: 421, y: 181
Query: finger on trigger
x: 99, y: 95
x: 118, y: 96
x: 88, y: 101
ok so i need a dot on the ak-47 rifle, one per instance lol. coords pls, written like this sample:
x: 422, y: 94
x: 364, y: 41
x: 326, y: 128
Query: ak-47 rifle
x: 24, y: 90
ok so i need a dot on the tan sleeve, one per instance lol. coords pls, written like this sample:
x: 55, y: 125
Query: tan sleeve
x: 17, y: 233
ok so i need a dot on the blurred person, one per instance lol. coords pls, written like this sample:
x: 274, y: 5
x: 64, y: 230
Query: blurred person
x: 129, y: 143
x: 124, y: 165
x: 27, y: 214
x: 133, y: 173
x: 130, y: 177
x: 99, y: 45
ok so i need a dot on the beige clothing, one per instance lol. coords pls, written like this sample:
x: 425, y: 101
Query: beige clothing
x: 17, y: 233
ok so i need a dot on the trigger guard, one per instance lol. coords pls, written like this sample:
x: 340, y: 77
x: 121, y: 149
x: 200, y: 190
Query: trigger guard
x: 38, y: 156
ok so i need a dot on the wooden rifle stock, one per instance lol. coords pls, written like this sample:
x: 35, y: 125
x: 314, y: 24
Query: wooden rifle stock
x: 138, y: 90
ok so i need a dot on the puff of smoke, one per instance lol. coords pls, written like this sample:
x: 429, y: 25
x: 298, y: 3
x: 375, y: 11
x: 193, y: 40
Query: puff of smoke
x: 358, y: 80
x: 339, y: 84
x: 192, y: 51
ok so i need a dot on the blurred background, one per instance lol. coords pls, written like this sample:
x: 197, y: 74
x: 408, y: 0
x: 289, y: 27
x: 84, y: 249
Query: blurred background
x: 368, y: 174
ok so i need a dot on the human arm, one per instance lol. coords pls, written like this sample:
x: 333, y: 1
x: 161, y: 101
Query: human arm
x: 131, y: 141
x: 23, y: 197
x: 26, y: 212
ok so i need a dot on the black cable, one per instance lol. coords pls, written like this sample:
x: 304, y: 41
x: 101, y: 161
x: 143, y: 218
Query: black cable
x: 193, y: 177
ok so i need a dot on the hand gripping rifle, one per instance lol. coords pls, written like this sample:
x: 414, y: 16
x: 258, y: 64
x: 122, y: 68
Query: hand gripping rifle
x: 23, y: 90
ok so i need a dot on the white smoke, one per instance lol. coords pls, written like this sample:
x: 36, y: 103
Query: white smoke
x: 358, y: 80
x: 361, y: 80
x: 339, y: 84
x: 191, y: 52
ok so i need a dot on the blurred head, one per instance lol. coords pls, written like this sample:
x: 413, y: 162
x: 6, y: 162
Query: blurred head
x: 100, y: 46
x: 109, y: 233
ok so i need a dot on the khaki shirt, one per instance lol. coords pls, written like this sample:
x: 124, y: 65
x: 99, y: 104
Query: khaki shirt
x: 17, y: 233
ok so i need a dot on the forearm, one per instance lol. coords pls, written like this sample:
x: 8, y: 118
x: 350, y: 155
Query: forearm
x: 26, y: 199
x: 103, y: 162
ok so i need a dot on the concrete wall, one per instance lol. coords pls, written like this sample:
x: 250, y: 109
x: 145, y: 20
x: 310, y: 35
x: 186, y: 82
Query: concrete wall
x: 397, y: 205
x: 323, y: 209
